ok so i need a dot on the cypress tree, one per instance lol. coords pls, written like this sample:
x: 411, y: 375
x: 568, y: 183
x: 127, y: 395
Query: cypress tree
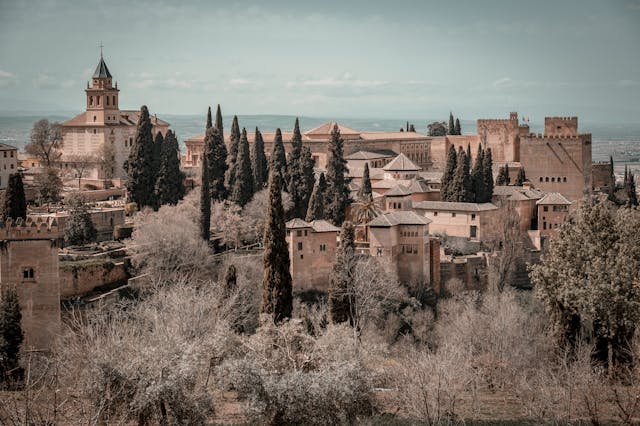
x: 447, y: 176
x: 218, y: 123
x: 521, y: 177
x: 216, y: 153
x: 452, y: 126
x: 170, y: 184
x: 258, y: 162
x: 11, y: 336
x: 242, y: 190
x: 412, y: 128
x: 205, y: 191
x: 315, y: 211
x: 307, y: 179
x: 140, y: 170
x: 502, y: 180
x: 15, y: 202
x: 456, y: 128
x: 277, y: 296
x: 278, y: 156
x: 477, y: 177
x: 337, y: 194
x: 294, y: 172
x: 630, y: 187
x: 341, y: 273
x: 365, y: 192
x: 234, y: 140
x: 487, y: 166
x: 461, y: 179
x: 158, y: 144
x: 209, y: 121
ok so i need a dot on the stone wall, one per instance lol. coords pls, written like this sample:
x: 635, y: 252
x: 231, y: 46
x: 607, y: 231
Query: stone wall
x: 602, y: 178
x: 470, y: 270
x: 78, y: 278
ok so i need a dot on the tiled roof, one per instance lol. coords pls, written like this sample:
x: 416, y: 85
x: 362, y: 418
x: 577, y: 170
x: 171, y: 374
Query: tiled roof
x: 327, y: 128
x: 369, y: 155
x: 554, y: 198
x: 398, y: 191
x: 386, y: 184
x: 419, y: 185
x: 453, y: 206
x: 6, y: 147
x: 127, y: 118
x: 388, y: 219
x: 435, y: 177
x: 101, y: 70
x: 323, y: 226
x: 401, y: 163
x: 393, y: 135
x: 374, y: 173
x: 517, y: 193
x: 297, y: 223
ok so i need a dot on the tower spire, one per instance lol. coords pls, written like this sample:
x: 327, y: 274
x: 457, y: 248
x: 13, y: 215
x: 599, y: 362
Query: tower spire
x: 101, y: 46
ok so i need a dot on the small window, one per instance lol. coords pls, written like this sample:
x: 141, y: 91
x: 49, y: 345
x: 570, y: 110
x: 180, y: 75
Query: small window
x: 544, y: 225
x: 541, y: 179
x: 302, y: 256
x: 5, y: 154
x: 453, y: 215
x: 546, y: 179
x: 435, y: 213
x: 378, y: 251
x: 95, y: 131
x: 28, y: 274
x: 553, y: 179
x: 473, y: 216
x: 545, y: 208
x: 299, y: 245
x: 288, y: 232
x: 11, y: 154
x: 298, y: 233
x: 11, y: 166
x: 323, y: 247
x: 305, y: 232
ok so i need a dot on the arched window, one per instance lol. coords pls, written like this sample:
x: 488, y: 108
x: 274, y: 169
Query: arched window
x: 98, y: 100
x: 90, y: 100
x: 540, y: 178
x: 553, y: 179
x: 107, y: 99
x: 94, y: 118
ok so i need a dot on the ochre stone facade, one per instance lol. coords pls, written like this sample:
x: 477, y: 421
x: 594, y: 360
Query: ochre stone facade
x: 29, y: 262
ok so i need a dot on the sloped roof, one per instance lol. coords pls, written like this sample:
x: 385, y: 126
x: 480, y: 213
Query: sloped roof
x: 297, y: 223
x: 101, y: 70
x: 454, y: 206
x: 323, y: 226
x: 419, y: 185
x: 127, y: 118
x: 374, y: 173
x: 7, y: 147
x: 401, y: 163
x: 398, y: 191
x: 554, y: 198
x: 517, y: 193
x: 394, y: 218
x: 370, y: 155
x: 394, y: 135
x: 326, y: 129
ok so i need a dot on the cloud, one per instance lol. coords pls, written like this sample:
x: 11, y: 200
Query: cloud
x: 166, y: 83
x: 343, y: 81
x: 503, y: 82
x: 44, y: 81
x: 240, y: 82
x: 6, y: 78
x: 509, y: 83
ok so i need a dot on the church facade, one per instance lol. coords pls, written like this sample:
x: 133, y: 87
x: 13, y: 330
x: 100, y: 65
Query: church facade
x: 96, y: 142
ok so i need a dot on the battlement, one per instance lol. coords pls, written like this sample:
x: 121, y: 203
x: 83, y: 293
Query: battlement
x: 560, y: 126
x: 513, y: 116
x: 29, y: 229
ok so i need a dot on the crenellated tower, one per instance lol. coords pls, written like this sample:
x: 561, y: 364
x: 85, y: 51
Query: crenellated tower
x: 102, y: 97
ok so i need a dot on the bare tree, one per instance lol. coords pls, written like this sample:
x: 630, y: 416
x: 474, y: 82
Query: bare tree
x: 107, y: 160
x: 81, y: 164
x: 46, y: 140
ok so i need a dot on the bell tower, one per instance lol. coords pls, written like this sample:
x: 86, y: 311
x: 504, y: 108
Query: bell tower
x: 102, y: 97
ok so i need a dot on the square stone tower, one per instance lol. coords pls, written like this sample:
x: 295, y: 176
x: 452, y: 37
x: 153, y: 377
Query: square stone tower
x: 29, y: 262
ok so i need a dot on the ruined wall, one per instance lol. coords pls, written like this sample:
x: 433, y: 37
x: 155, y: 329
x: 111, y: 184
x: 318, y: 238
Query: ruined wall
x: 81, y: 277
x: 310, y: 266
x: 471, y: 270
x: 602, y: 178
x: 502, y: 136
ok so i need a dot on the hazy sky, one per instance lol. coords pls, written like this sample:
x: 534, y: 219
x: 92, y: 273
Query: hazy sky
x: 388, y: 59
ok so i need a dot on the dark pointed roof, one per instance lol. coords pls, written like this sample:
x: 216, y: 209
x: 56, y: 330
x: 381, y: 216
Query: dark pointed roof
x: 101, y: 70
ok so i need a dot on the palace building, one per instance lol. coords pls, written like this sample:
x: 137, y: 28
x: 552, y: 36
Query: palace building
x: 103, y: 134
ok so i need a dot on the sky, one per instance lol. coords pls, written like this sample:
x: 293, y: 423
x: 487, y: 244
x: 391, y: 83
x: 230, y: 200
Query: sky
x: 348, y: 58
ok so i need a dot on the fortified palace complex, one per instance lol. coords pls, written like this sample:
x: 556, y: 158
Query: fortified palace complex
x: 407, y: 237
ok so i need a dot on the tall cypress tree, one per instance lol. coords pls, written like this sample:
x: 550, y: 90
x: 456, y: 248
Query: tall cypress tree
x: 365, y: 192
x: 315, y: 211
x: 209, y: 121
x: 487, y: 165
x: 258, y: 162
x: 278, y: 156
x: 521, y: 177
x: 277, y: 294
x: 412, y: 128
x: 477, y: 177
x: 218, y: 124
x: 170, y: 184
x: 216, y: 153
x: 341, y: 275
x: 452, y: 126
x: 461, y: 179
x: 15, y: 201
x: 140, y: 171
x: 242, y: 190
x: 337, y: 194
x: 449, y: 172
x: 456, y: 128
x: 630, y: 187
x: 234, y: 140
x: 205, y: 191
x: 11, y: 336
x: 294, y: 171
x: 307, y: 179
x: 158, y: 144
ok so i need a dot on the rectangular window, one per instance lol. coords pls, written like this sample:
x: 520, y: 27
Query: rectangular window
x: 5, y: 154
x: 453, y: 215
x: 323, y: 247
x: 473, y: 216
x: 545, y: 208
x: 435, y: 213
x: 299, y: 245
x: 378, y: 251
x: 473, y: 231
x: 298, y: 233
